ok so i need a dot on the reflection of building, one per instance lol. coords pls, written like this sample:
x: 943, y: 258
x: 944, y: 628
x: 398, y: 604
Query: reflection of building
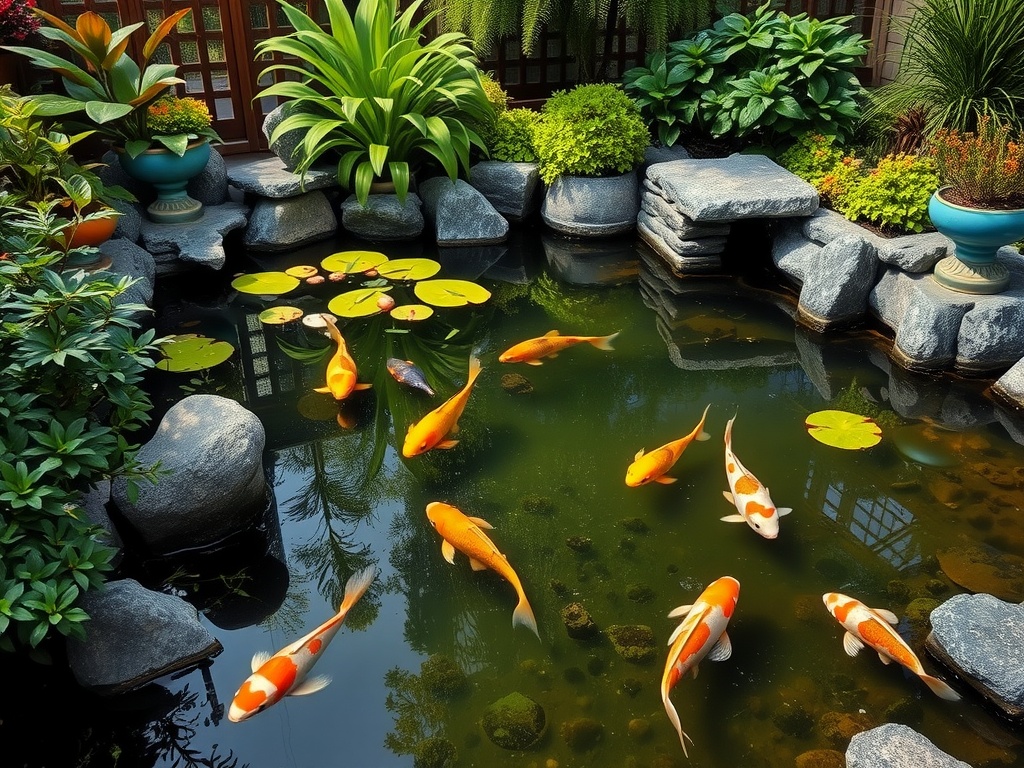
x: 877, y: 521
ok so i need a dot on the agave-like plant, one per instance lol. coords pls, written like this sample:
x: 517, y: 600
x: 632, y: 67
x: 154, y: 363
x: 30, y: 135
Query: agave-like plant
x: 373, y: 93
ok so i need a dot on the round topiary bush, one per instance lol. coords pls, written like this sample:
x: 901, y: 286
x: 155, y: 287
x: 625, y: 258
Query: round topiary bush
x: 510, y: 137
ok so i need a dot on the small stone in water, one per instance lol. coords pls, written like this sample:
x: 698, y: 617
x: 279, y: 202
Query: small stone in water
x: 315, y: 280
x: 535, y: 504
x: 516, y: 384
x: 639, y: 727
x: 582, y: 733
x: 640, y: 593
x: 578, y: 622
x: 634, y: 525
x: 897, y: 590
x: 626, y: 544
x: 579, y: 543
x: 633, y: 642
x: 595, y: 666
x: 336, y: 277
x: 574, y: 675
x: 558, y: 587
x: 936, y: 586
x: 632, y: 686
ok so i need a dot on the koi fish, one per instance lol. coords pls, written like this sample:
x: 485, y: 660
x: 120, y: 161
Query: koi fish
x: 752, y: 499
x: 432, y: 430
x: 873, y: 627
x: 406, y: 372
x: 549, y: 345
x: 285, y: 673
x: 700, y: 635
x: 463, y: 533
x: 651, y: 467
x: 341, y: 369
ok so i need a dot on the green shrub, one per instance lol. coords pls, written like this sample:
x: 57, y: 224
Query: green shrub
x: 840, y: 179
x: 811, y: 157
x: 496, y: 95
x: 894, y: 195
x: 511, y: 136
x: 592, y: 130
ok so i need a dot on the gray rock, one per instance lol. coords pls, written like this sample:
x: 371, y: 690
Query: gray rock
x: 129, y: 223
x: 734, y: 187
x: 268, y: 177
x: 682, y: 225
x: 992, y: 333
x: 1010, y: 386
x: 212, y: 449
x: 126, y: 258
x: 195, y: 242
x: 693, y: 246
x: 113, y: 174
x: 280, y: 224
x: 210, y: 187
x: 461, y: 214
x: 93, y: 504
x: 793, y: 254
x: 286, y: 144
x: 681, y: 265
x: 574, y: 205
x: 661, y: 154
x: 383, y: 218
x: 837, y: 282
x: 512, y: 188
x: 981, y: 638
x: 896, y: 746
x: 812, y: 359
x: 134, y: 636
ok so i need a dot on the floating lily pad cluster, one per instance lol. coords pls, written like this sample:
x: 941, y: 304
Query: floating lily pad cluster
x: 370, y: 298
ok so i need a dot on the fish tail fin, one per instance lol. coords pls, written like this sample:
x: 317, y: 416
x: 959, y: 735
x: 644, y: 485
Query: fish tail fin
x: 605, y: 342
x: 940, y: 689
x: 332, y: 328
x: 702, y: 434
x: 474, y: 369
x: 523, y: 615
x: 728, y: 429
x: 357, y: 584
x: 673, y: 718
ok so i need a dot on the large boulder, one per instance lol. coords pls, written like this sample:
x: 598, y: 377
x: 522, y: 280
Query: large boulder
x: 210, y: 186
x: 212, y: 451
x: 512, y: 188
x: 461, y: 214
x: 896, y: 746
x: 383, y: 218
x: 837, y: 283
x: 281, y: 224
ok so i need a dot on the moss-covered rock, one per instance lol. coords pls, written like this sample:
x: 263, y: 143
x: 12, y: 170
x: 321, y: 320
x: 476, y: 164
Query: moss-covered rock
x: 514, y: 721
x: 631, y: 686
x: 581, y: 733
x: 907, y: 711
x: 634, y: 525
x: 639, y: 728
x: 793, y: 720
x: 898, y: 590
x: 535, y: 504
x: 578, y: 622
x: 558, y: 587
x: 918, y: 616
x: 516, y: 384
x: 435, y: 752
x: 839, y: 727
x: 442, y: 677
x: 640, y: 593
x: 821, y: 758
x: 633, y: 642
x: 581, y: 544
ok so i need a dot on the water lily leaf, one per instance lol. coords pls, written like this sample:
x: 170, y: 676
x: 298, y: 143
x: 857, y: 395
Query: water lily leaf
x: 361, y: 302
x: 451, y: 293
x: 265, y: 283
x: 409, y: 269
x: 842, y: 429
x: 190, y: 352
x: 412, y: 312
x: 353, y: 261
x: 280, y: 315
x: 302, y: 271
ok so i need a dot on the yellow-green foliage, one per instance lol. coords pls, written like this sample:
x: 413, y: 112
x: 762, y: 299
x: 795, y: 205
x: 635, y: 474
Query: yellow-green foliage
x: 894, y: 195
x: 170, y: 115
x: 511, y: 136
x: 496, y: 95
x: 835, y: 185
x: 812, y: 157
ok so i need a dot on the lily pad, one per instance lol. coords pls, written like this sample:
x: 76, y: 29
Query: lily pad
x: 451, y: 293
x: 842, y: 429
x: 353, y: 261
x: 302, y: 271
x: 409, y: 269
x: 265, y: 283
x: 280, y: 315
x: 412, y: 312
x: 361, y: 302
x: 190, y: 352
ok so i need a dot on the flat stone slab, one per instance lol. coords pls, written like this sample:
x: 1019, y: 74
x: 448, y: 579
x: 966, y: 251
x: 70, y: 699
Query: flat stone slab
x: 269, y: 177
x: 195, y: 242
x: 732, y: 188
x: 897, y: 746
x: 680, y: 265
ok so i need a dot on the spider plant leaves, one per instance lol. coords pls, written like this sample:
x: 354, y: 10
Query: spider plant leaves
x: 409, y: 269
x: 362, y: 302
x: 842, y: 429
x: 186, y: 353
x: 265, y: 283
x: 353, y: 261
x: 450, y: 293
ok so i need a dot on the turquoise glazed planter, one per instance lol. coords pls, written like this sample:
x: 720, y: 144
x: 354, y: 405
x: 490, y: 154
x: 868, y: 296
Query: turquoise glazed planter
x: 977, y: 234
x: 169, y: 174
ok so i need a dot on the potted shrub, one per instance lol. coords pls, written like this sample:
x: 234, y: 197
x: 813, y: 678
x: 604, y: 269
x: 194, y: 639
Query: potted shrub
x: 589, y: 143
x: 979, y: 204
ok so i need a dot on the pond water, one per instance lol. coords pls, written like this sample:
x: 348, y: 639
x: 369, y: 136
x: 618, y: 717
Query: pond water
x: 546, y: 468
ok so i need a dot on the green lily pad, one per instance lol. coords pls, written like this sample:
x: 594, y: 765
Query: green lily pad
x: 842, y: 429
x: 302, y: 271
x: 409, y: 269
x: 451, y: 293
x: 280, y: 315
x: 190, y: 352
x: 412, y: 312
x: 353, y: 261
x: 265, y: 283
x: 361, y: 302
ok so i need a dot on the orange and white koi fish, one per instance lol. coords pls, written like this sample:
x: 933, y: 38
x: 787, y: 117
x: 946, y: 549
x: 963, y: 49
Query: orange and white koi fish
x: 873, y: 627
x: 285, y: 673
x: 549, y: 345
x: 433, y: 429
x: 651, y: 467
x: 700, y: 635
x: 752, y: 499
x: 459, y: 532
x: 341, y: 369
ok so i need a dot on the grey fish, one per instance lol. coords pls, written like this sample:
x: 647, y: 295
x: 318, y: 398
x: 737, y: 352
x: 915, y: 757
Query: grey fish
x: 406, y: 372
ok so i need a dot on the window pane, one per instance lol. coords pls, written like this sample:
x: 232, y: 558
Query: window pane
x: 224, y: 109
x: 215, y: 50
x: 189, y: 51
x: 211, y: 18
x: 193, y: 82
x: 219, y: 79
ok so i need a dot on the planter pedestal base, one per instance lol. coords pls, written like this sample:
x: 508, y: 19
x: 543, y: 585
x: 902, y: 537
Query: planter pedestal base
x: 174, y: 210
x: 963, y: 277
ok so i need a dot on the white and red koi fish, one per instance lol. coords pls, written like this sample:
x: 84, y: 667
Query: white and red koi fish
x: 285, y: 673
x: 873, y: 627
x: 752, y: 500
x: 549, y: 345
x: 701, y: 635
x: 651, y: 467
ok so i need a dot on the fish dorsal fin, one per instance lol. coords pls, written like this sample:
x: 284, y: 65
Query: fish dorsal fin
x: 638, y: 454
x: 448, y: 551
x: 310, y: 685
x: 476, y: 565
x: 852, y: 644
x: 259, y: 659
x: 889, y: 616
x: 722, y: 649
x: 682, y: 610
x: 551, y: 333
x: 688, y: 625
x: 481, y: 522
x: 410, y: 362
x: 483, y: 537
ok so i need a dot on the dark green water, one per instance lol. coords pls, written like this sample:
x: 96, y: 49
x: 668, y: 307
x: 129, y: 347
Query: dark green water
x: 548, y: 465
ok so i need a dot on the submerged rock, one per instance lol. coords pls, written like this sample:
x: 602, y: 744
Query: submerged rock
x: 918, y: 615
x: 516, y: 384
x: 896, y: 746
x: 442, y: 677
x: 793, y: 720
x: 580, y: 544
x: 640, y: 593
x: 634, y: 525
x: 839, y: 727
x: 514, y: 722
x: 639, y: 728
x: 633, y: 642
x: 582, y: 733
x: 821, y: 758
x: 984, y: 569
x: 578, y: 622
x: 536, y: 504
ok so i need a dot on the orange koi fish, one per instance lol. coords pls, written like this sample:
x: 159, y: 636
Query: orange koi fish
x: 341, y: 369
x: 459, y: 532
x: 700, y: 635
x: 873, y: 627
x: 651, y: 467
x: 752, y: 499
x: 431, y: 431
x: 549, y: 345
x: 285, y: 673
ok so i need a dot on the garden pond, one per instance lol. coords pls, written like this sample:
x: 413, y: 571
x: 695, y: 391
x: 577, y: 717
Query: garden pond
x: 542, y: 456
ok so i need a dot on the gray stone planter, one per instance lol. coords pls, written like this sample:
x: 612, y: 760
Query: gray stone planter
x: 575, y: 205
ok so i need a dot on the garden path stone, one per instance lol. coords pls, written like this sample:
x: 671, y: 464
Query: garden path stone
x: 981, y: 638
x: 383, y: 218
x: 134, y: 636
x: 212, y: 448
x: 127, y: 258
x: 660, y: 154
x: 683, y: 246
x: 732, y: 188
x: 512, y: 188
x: 268, y: 177
x: 210, y: 187
x: 837, y: 282
x: 461, y: 214
x: 280, y: 224
x: 196, y: 242
x: 896, y: 746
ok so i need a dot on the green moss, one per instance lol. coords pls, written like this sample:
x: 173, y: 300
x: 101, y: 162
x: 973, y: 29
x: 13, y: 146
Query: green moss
x: 582, y: 733
x: 578, y: 622
x: 640, y: 593
x: 514, y: 722
x: 634, y: 642
x: 852, y: 399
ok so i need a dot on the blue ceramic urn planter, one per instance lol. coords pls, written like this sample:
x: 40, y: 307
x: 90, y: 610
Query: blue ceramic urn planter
x: 977, y: 234
x: 169, y: 174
